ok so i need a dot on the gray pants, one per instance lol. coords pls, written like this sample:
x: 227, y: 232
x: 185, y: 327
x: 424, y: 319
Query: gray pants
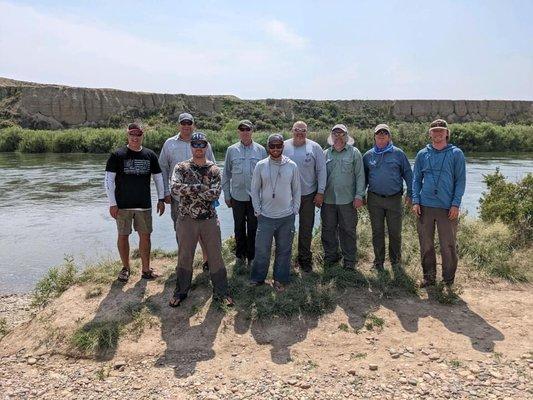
x: 305, y: 230
x: 388, y: 209
x: 189, y: 231
x: 339, y: 223
x: 447, y: 231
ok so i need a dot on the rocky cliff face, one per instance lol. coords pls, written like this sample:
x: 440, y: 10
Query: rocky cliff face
x: 55, y: 107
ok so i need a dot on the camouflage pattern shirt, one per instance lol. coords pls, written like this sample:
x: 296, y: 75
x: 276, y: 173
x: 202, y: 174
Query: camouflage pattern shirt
x: 196, y: 188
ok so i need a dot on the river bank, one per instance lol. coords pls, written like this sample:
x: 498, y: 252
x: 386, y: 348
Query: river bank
x: 411, y: 137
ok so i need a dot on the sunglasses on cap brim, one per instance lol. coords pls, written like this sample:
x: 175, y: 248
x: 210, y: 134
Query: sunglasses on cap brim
x: 275, y: 145
x: 199, y: 145
x: 382, y: 132
x: 186, y: 122
x: 244, y: 128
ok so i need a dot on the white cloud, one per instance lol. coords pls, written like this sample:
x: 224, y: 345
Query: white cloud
x: 281, y: 32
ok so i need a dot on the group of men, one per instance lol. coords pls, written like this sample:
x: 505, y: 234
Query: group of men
x: 267, y: 188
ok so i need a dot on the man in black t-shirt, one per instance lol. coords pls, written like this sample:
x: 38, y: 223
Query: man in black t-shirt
x: 127, y: 183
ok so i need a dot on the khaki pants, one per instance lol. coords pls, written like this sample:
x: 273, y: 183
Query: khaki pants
x: 189, y: 231
x: 447, y: 230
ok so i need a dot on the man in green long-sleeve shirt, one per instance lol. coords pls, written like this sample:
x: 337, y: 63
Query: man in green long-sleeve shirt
x: 344, y: 193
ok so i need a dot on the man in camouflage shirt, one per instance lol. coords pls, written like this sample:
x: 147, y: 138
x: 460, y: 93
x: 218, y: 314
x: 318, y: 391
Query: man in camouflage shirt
x: 196, y: 185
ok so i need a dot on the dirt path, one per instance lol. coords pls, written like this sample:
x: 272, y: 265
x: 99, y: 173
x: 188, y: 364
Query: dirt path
x: 369, y: 347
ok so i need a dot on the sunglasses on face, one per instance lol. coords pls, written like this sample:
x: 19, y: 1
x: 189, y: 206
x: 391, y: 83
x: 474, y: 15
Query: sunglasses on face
x: 189, y: 123
x: 244, y: 129
x: 198, y: 145
x: 275, y: 146
x: 135, y: 134
x: 299, y: 130
x: 382, y: 133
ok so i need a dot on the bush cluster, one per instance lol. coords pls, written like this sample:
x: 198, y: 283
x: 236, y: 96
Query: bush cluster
x: 471, y: 137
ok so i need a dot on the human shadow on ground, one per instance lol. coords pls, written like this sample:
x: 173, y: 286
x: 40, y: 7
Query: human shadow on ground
x: 117, y: 309
x: 456, y: 316
x: 187, y: 343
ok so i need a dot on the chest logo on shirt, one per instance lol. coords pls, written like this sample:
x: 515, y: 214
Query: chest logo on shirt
x: 136, y: 167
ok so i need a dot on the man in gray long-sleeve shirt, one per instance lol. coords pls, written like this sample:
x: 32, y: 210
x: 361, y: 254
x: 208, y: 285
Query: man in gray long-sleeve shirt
x: 309, y: 157
x: 276, y: 199
x: 175, y: 150
x: 239, y: 165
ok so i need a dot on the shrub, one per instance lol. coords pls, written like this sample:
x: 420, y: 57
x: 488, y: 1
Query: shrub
x: 10, y: 139
x: 511, y: 203
x: 35, y: 142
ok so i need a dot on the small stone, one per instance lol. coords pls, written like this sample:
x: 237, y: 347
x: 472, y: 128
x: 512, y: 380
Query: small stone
x: 137, y: 386
x: 402, y: 380
x: 373, y: 367
x: 32, y: 361
x: 304, y: 385
x: 352, y: 372
x: 413, y: 382
x: 426, y: 352
x: 496, y: 375
x: 434, y: 356
x: 119, y: 364
x: 395, y: 355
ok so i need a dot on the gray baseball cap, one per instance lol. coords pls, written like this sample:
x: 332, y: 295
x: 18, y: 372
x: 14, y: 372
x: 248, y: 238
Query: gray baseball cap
x: 342, y: 127
x: 275, y: 137
x: 246, y: 122
x: 382, y: 127
x: 185, y: 117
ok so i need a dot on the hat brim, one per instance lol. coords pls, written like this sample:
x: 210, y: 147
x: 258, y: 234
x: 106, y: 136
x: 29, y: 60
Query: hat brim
x: 349, y: 141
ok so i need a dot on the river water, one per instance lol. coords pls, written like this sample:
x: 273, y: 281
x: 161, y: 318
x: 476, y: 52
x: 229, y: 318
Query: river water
x: 53, y: 205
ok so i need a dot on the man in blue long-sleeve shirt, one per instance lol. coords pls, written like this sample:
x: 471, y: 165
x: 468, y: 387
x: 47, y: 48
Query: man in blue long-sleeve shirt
x: 386, y: 167
x: 439, y: 181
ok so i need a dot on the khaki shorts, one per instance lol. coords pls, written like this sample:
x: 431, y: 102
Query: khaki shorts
x: 142, y: 221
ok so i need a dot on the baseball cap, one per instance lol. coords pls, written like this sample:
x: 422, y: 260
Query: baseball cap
x: 382, y: 127
x: 247, y: 123
x: 198, y: 137
x: 185, y: 117
x: 438, y: 124
x: 342, y: 127
x: 275, y: 137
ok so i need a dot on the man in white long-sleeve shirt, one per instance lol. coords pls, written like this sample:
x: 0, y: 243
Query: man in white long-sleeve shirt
x: 275, y: 193
x: 127, y: 184
x: 175, y: 150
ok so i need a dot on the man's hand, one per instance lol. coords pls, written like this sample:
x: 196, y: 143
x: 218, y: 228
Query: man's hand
x: 113, y: 211
x: 318, y: 200
x: 160, y: 207
x: 357, y: 203
x: 416, y: 210
x: 228, y: 202
x: 408, y: 200
x: 453, y: 213
x: 168, y: 199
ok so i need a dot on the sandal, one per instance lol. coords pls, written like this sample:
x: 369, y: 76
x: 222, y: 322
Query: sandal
x: 227, y: 301
x: 176, y: 300
x: 150, y: 274
x: 124, y: 275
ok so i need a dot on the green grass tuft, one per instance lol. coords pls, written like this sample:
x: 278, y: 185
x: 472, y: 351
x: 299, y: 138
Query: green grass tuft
x: 54, y: 283
x: 97, y: 337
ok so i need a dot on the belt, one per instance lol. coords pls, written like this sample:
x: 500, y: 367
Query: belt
x: 386, y: 197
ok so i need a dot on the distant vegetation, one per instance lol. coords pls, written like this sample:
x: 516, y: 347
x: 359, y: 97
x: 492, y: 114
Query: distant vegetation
x: 471, y: 137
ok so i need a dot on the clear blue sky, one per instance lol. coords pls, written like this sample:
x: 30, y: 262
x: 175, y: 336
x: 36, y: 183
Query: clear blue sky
x: 279, y: 49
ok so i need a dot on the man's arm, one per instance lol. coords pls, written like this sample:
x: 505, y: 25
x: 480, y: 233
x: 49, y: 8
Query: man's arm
x: 417, y: 180
x: 226, y: 178
x: 407, y: 174
x: 459, y: 178
x: 255, y: 189
x: 181, y: 189
x: 360, y: 186
x: 164, y: 163
x: 212, y: 191
x: 109, y: 184
x: 321, y: 171
x: 296, y: 191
